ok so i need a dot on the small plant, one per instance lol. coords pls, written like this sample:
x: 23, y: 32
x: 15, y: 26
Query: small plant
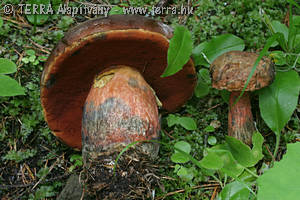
x: 9, y: 86
x: 19, y: 156
x: 76, y: 161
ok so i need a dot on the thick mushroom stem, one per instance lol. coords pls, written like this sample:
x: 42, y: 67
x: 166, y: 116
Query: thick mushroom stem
x: 240, y: 120
x: 120, y: 109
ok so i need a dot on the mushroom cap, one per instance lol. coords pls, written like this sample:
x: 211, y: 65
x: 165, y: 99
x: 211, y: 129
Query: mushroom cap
x: 95, y: 45
x: 230, y: 71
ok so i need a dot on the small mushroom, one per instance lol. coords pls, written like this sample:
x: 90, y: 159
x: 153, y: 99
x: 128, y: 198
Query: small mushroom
x: 230, y: 72
x: 101, y: 86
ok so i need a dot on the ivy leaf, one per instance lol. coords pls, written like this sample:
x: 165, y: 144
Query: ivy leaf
x: 278, y: 101
x: 283, y: 180
x: 179, y: 51
x: 10, y: 87
x: 7, y: 66
x: 216, y: 47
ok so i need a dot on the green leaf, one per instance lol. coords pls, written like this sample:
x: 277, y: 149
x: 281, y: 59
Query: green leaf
x: 187, y: 174
x: 278, y: 57
x: 257, y: 141
x: 209, y: 129
x: 212, y: 140
x: 278, y: 27
x: 187, y: 123
x: 203, y: 84
x: 10, y: 87
x: 234, y: 191
x: 283, y: 180
x: 216, y: 47
x: 40, y: 18
x: 1, y: 22
x: 278, y: 101
x: 172, y: 120
x: 231, y: 167
x: 240, y: 151
x: 179, y: 51
x: 7, y: 66
x: 116, y: 10
x: 179, y: 157
x: 212, y: 161
x: 183, y: 146
x: 248, y: 177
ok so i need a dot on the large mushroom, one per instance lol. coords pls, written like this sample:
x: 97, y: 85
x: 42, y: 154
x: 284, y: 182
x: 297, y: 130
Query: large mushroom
x: 230, y: 72
x: 101, y: 85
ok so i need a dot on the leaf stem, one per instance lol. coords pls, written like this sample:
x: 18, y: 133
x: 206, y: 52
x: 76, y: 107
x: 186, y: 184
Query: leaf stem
x: 250, y: 172
x: 276, y: 148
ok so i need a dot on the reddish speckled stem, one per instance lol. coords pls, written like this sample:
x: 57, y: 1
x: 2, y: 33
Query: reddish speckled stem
x: 240, y: 120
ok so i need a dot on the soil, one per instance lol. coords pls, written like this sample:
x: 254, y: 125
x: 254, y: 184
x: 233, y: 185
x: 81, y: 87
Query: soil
x: 134, y: 177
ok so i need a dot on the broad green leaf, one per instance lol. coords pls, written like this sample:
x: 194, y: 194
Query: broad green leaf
x: 278, y: 101
x: 198, y: 54
x: 240, y: 151
x: 203, y: 84
x: 234, y: 191
x: 216, y: 47
x: 179, y: 157
x: 9, y: 86
x: 278, y: 27
x: 40, y: 18
x: 187, y: 123
x: 212, y: 161
x: 179, y: 51
x: 183, y: 146
x: 7, y: 66
x: 231, y: 167
x: 283, y: 180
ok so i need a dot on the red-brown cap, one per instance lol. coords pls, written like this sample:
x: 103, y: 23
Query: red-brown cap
x: 230, y: 71
x: 95, y: 45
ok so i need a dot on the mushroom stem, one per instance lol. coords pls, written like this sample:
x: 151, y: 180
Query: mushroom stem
x: 240, y: 119
x: 120, y: 109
